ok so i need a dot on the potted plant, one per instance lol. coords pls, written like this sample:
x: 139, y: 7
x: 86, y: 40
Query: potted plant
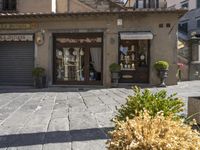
x: 115, y: 70
x: 179, y: 71
x: 162, y: 68
x: 39, y: 77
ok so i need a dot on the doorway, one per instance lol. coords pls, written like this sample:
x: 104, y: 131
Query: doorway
x: 134, y: 60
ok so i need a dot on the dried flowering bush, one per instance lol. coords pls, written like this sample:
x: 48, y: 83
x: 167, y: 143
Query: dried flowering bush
x: 145, y: 132
x: 152, y: 102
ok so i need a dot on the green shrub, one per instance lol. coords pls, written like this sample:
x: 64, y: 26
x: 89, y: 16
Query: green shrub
x: 38, y: 72
x: 114, y: 67
x: 158, y: 133
x: 161, y: 65
x: 153, y: 103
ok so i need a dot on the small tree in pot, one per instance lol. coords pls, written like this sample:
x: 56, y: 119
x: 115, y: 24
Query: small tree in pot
x: 162, y: 68
x: 115, y: 70
x: 39, y: 77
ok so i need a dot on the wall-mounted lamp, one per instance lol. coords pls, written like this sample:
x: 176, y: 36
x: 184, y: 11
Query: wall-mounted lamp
x: 119, y: 22
x: 39, y: 37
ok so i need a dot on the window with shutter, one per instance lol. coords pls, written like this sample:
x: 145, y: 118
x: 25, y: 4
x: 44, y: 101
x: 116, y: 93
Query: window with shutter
x: 183, y: 27
x: 1, y: 5
x: 198, y: 3
x: 198, y: 23
x: 7, y: 5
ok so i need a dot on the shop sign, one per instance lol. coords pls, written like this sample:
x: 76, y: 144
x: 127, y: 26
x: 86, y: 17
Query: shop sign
x: 17, y: 26
x: 83, y: 40
x: 16, y: 37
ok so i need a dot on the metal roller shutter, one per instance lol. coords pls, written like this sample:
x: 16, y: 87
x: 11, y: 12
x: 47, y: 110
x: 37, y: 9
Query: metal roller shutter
x: 16, y: 63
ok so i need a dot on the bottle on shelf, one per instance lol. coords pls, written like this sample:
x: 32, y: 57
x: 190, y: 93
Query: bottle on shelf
x: 122, y: 57
x: 121, y: 65
x: 133, y: 66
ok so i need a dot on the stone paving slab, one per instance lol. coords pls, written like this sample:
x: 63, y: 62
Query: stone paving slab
x: 65, y: 118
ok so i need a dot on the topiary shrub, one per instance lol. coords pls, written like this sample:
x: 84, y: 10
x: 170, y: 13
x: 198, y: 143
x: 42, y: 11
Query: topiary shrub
x: 39, y: 77
x: 153, y: 103
x: 114, y: 67
x: 158, y: 133
x: 161, y: 65
x: 38, y: 72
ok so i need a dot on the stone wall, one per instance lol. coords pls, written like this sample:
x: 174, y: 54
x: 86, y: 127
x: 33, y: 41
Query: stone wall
x: 34, y: 6
x: 162, y: 47
x: 194, y: 108
x: 63, y: 6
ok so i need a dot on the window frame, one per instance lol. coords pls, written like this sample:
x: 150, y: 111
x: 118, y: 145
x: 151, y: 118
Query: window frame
x: 8, y: 5
x: 198, y: 3
x: 198, y: 23
x: 185, y: 2
x: 147, y: 4
x: 183, y: 28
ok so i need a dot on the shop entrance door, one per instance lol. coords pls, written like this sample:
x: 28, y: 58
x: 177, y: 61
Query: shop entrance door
x: 77, y: 59
x: 134, y: 61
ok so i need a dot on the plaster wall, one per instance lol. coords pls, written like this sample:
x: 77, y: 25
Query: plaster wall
x: 34, y: 6
x: 177, y: 4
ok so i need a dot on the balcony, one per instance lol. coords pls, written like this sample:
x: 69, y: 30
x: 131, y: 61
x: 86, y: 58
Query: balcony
x: 145, y: 4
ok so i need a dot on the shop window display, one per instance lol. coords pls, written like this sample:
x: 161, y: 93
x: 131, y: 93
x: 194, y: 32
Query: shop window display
x: 70, y: 64
x: 133, y: 59
x: 78, y: 59
x: 95, y: 63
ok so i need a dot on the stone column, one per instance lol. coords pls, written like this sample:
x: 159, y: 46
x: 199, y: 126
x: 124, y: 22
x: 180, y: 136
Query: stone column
x: 195, y: 60
x: 196, y: 52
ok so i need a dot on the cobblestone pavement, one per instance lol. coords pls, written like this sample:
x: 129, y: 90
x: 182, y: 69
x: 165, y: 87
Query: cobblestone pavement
x: 63, y: 118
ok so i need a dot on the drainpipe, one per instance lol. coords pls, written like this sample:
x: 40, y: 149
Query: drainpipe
x: 68, y: 6
x: 53, y: 6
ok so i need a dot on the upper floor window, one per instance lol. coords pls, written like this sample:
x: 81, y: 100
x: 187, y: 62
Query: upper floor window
x: 140, y: 4
x: 198, y: 23
x: 153, y: 3
x: 185, y: 4
x: 198, y: 3
x: 7, y: 5
x: 147, y: 4
x: 183, y: 27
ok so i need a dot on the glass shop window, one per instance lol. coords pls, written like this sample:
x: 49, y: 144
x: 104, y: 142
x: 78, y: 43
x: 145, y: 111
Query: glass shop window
x: 95, y: 64
x: 133, y: 54
x: 78, y: 58
x: 70, y: 64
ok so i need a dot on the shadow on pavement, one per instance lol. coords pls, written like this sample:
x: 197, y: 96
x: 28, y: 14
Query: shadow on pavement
x: 30, y: 139
x: 30, y: 89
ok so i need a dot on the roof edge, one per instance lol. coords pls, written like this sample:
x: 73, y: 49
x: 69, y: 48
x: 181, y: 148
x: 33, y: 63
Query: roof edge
x: 136, y: 11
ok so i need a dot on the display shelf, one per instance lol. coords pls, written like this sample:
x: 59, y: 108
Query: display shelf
x: 128, y: 69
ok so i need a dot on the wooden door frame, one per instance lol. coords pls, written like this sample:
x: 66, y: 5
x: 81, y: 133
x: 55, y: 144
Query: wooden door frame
x: 148, y: 54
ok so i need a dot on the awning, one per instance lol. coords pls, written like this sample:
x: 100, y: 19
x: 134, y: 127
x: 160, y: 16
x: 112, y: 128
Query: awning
x: 136, y: 36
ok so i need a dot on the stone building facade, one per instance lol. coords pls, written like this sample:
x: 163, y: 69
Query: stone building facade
x: 76, y: 48
x: 189, y: 36
x: 190, y: 4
